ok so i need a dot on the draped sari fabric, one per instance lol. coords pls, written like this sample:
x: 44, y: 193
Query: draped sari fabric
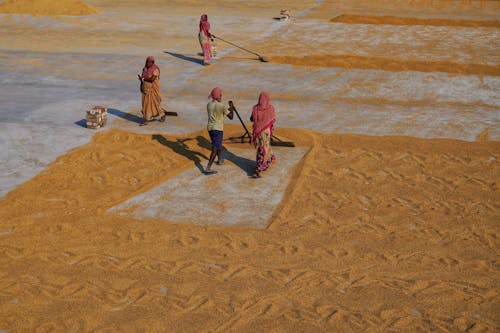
x: 204, y: 38
x: 263, y: 118
x: 151, y: 93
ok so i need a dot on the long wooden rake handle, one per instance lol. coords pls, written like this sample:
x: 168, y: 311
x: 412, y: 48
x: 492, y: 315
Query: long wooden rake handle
x: 261, y: 58
x: 231, y: 104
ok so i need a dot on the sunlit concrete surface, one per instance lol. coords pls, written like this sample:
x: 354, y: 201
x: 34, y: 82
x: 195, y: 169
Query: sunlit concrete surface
x: 373, y: 102
x: 415, y: 42
x: 229, y: 197
x: 53, y: 69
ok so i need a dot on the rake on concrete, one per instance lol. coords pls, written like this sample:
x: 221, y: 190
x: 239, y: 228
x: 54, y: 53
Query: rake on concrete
x: 275, y: 141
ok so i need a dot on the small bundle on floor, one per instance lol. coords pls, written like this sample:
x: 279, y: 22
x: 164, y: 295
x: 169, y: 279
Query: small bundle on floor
x: 284, y: 15
x: 96, y: 117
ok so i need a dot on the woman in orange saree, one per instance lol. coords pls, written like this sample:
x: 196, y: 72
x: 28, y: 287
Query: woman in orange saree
x: 151, y: 93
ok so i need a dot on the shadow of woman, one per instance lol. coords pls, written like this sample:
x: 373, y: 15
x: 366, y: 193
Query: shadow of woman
x: 180, y: 147
x: 185, y: 57
x: 243, y: 163
x: 126, y: 116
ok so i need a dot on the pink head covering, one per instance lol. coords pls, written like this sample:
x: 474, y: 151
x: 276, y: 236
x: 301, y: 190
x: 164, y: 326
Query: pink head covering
x: 204, y: 24
x: 148, y: 72
x: 263, y: 115
x: 216, y: 94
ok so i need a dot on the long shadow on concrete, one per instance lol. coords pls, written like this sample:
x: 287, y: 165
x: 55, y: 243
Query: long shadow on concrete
x: 179, y: 146
x: 243, y: 163
x: 184, y: 57
x: 125, y: 115
x: 114, y: 112
x: 81, y: 123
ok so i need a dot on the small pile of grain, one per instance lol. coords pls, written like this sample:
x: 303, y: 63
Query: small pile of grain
x: 47, y: 7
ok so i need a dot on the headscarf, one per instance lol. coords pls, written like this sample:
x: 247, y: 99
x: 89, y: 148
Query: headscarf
x: 263, y: 115
x: 148, y: 72
x: 216, y: 94
x: 204, y: 25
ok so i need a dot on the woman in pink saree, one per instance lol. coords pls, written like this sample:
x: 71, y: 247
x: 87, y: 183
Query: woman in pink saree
x: 263, y: 118
x: 204, y: 36
x: 151, y: 93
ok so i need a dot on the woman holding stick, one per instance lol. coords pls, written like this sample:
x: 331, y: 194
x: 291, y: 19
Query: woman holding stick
x: 151, y: 93
x: 204, y: 37
x: 215, y: 126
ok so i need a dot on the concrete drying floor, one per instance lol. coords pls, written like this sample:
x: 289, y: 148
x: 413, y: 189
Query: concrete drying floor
x: 46, y: 89
x: 229, y: 197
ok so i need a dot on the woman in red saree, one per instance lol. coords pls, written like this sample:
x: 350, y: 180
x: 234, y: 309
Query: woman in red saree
x: 151, y: 93
x: 204, y: 36
x: 263, y: 118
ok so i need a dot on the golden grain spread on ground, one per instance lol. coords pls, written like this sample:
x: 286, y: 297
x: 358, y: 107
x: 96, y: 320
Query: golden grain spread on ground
x: 373, y: 233
x: 46, y: 7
